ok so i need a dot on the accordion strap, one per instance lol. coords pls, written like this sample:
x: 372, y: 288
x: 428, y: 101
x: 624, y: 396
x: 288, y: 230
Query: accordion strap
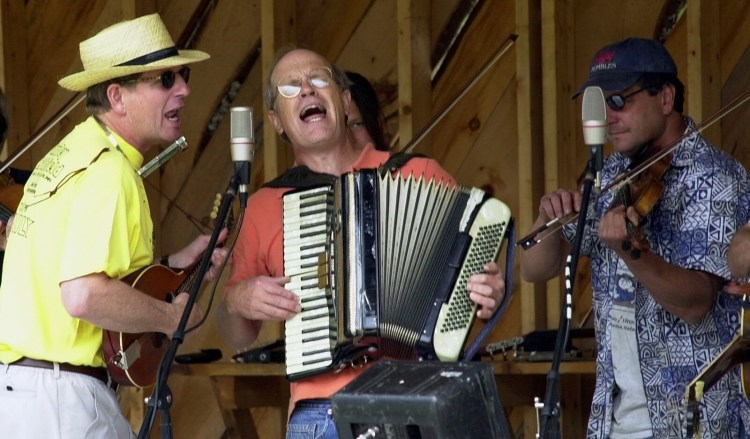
x: 300, y: 177
x: 396, y: 161
x: 509, y: 263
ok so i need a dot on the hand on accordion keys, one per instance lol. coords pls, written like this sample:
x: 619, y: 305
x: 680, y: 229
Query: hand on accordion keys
x: 262, y: 298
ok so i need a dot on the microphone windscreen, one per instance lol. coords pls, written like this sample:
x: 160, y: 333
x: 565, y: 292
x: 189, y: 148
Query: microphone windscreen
x: 241, y: 126
x: 594, y: 116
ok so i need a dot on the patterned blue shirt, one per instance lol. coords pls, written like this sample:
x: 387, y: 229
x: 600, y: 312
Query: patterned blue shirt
x: 705, y: 200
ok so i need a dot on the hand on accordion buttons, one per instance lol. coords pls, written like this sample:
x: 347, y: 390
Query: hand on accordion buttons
x: 262, y: 298
x: 487, y: 290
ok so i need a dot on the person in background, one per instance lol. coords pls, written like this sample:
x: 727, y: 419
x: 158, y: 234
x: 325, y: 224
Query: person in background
x: 82, y: 225
x: 365, y: 120
x: 309, y: 101
x: 660, y: 314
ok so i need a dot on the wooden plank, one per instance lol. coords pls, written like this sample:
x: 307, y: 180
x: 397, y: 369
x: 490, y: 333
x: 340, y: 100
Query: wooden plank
x: 734, y: 34
x: 735, y: 127
x: 278, y: 27
x: 557, y: 83
x: 53, y: 43
x: 374, y: 58
x: 414, y: 69
x: 703, y: 75
x: 326, y: 29
x: 459, y: 134
x: 15, y: 73
x: 530, y: 149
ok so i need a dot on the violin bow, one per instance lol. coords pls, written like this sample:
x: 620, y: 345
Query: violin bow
x: 555, y: 224
x: 69, y: 106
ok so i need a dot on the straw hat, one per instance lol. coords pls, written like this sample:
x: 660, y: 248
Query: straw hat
x: 128, y: 47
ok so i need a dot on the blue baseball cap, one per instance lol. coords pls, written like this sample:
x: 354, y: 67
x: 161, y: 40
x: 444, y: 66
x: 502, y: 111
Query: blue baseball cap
x: 619, y: 65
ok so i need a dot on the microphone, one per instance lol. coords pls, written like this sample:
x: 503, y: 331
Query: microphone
x: 594, y: 116
x: 242, y: 146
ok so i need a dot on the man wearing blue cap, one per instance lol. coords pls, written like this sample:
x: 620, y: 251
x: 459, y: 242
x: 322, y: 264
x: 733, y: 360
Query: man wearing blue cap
x: 660, y: 315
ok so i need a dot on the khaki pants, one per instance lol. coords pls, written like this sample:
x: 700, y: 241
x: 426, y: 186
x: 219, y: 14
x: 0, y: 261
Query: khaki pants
x: 55, y: 404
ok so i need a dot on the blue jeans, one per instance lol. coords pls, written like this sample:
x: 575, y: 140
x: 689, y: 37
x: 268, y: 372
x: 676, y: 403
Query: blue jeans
x: 312, y: 419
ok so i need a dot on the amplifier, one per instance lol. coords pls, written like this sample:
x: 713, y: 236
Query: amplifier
x: 421, y: 400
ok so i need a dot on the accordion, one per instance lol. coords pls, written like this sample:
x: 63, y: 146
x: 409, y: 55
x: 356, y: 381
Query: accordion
x: 380, y: 264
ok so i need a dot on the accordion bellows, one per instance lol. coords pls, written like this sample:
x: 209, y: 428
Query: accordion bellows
x: 380, y: 263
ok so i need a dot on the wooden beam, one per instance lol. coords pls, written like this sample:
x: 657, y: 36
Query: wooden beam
x: 414, y: 70
x: 703, y: 66
x: 15, y: 73
x: 52, y: 47
x: 278, y: 27
x: 530, y: 143
x: 326, y: 29
x: 735, y: 38
x: 557, y: 81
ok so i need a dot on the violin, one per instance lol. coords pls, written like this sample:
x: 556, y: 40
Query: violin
x: 641, y: 192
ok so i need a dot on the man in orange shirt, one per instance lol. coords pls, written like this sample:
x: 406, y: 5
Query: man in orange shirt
x: 309, y: 102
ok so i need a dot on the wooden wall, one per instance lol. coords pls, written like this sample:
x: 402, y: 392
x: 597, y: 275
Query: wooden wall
x: 515, y: 132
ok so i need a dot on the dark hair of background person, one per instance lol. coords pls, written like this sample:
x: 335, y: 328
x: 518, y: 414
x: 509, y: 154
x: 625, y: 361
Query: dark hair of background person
x: 364, y: 95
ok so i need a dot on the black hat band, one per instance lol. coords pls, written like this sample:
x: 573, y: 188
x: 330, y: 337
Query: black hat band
x: 151, y: 57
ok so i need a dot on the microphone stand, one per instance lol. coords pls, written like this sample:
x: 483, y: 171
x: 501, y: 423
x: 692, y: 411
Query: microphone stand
x: 550, y: 411
x: 161, y: 396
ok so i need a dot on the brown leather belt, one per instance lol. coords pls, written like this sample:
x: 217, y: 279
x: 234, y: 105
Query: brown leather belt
x: 100, y: 373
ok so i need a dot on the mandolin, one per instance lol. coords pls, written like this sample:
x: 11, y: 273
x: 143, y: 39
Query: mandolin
x: 737, y: 351
x: 133, y: 359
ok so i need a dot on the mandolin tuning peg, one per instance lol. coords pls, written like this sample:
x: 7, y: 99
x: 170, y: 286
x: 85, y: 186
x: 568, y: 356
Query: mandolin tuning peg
x: 215, y: 209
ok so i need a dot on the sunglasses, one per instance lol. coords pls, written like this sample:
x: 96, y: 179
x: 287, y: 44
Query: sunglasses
x: 617, y: 101
x: 318, y: 78
x: 167, y: 78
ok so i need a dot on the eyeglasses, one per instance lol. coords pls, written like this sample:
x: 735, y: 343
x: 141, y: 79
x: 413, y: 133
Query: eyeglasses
x: 617, y: 101
x: 167, y: 78
x: 319, y: 78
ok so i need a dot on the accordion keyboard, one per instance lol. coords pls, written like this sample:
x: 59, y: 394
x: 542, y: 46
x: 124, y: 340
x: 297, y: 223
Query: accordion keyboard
x: 311, y: 334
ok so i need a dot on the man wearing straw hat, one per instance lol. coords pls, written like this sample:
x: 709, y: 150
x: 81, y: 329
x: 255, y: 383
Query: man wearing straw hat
x: 83, y: 223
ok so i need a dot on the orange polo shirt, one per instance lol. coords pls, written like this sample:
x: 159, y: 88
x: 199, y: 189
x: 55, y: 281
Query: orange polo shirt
x: 259, y: 252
